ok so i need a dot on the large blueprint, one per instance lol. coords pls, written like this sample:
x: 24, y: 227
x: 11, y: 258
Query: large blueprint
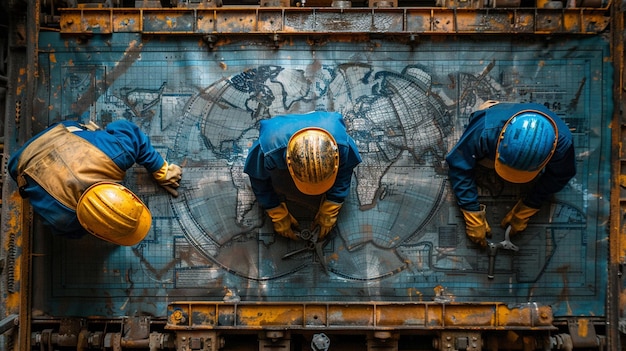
x: 400, y: 235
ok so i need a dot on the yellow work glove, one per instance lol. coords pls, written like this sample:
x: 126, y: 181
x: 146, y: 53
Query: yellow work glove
x: 283, y: 221
x: 327, y: 217
x: 518, y: 217
x: 476, y: 226
x: 168, y: 175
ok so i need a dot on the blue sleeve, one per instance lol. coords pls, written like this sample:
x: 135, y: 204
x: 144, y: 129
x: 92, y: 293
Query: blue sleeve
x: 126, y: 144
x: 340, y: 190
x: 461, y: 162
x: 260, y: 178
x: 137, y: 143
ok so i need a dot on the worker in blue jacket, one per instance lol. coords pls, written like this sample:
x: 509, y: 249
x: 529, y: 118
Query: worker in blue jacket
x: 523, y: 142
x: 318, y: 154
x: 70, y: 174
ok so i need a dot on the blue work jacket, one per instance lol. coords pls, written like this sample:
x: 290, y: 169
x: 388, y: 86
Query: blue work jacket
x: 268, y: 154
x: 479, y: 141
x: 121, y: 140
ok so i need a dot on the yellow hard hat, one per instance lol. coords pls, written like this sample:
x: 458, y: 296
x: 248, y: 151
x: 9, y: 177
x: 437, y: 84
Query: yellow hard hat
x: 313, y: 160
x: 112, y: 212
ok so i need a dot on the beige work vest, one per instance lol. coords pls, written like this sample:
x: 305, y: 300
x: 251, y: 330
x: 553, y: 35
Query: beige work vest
x: 65, y: 165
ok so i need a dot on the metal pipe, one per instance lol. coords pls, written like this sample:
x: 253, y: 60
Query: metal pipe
x: 8, y: 323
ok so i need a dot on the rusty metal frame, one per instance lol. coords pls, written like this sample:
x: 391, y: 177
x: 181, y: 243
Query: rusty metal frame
x: 16, y: 213
x: 617, y: 255
x: 200, y: 315
x: 183, y: 316
x: 329, y: 20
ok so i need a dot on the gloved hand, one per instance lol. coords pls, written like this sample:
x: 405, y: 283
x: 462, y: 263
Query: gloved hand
x: 476, y: 226
x: 168, y: 175
x: 518, y: 217
x: 326, y: 217
x: 283, y: 221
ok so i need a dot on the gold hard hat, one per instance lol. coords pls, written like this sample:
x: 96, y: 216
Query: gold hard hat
x: 313, y: 160
x: 112, y: 212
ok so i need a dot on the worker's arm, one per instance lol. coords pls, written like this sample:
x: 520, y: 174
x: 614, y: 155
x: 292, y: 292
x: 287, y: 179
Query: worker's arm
x: 462, y: 160
x: 349, y: 158
x: 260, y: 178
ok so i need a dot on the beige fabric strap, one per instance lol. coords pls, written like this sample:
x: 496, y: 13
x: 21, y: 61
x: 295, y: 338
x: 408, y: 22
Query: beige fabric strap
x: 65, y: 165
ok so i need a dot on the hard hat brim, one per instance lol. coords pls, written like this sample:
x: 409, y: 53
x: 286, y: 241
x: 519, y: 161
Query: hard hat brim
x: 315, y: 189
x: 513, y: 175
x: 143, y: 227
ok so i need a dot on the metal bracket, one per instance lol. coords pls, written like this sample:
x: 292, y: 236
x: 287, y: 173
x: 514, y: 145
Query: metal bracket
x: 383, y: 340
x: 199, y: 340
x: 583, y: 333
x: 458, y: 341
x: 274, y: 340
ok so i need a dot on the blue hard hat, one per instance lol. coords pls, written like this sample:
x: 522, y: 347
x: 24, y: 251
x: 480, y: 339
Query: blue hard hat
x: 526, y: 144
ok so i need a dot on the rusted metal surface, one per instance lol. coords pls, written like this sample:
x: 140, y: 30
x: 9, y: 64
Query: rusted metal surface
x: 372, y: 315
x: 206, y: 317
x: 309, y: 21
x: 616, y: 283
x: 16, y: 288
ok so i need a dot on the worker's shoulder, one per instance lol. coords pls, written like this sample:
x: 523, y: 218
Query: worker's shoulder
x: 122, y: 123
x: 123, y: 126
